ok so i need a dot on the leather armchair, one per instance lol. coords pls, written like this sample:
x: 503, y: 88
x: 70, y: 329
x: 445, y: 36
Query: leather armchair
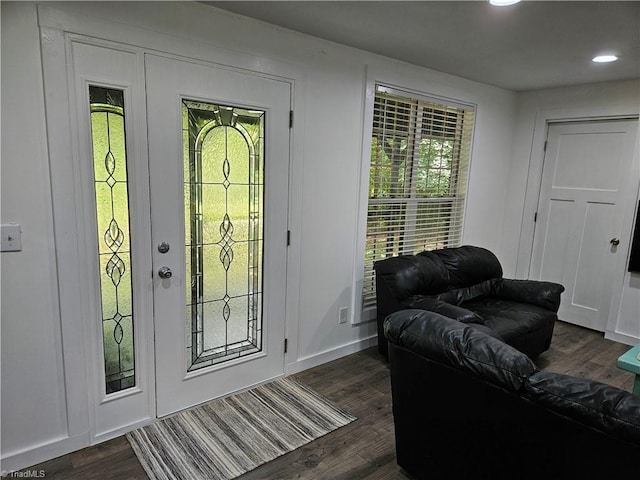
x: 466, y: 284
x: 467, y: 405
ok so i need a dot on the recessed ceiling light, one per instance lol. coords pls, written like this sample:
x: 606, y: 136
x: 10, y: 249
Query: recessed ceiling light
x: 503, y: 3
x: 604, y: 58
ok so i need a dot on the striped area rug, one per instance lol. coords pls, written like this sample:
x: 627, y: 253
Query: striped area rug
x: 230, y: 436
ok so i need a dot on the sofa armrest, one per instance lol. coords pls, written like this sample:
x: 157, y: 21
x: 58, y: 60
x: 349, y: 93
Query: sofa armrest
x: 604, y: 407
x: 449, y: 310
x: 542, y: 294
x: 461, y: 346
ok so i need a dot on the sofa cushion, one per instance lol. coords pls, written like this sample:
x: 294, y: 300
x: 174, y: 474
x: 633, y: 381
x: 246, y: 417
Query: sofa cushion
x: 510, y: 319
x: 469, y: 265
x: 601, y: 406
x: 459, y: 345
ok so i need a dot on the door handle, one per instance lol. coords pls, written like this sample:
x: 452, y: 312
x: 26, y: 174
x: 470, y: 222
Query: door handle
x: 164, y: 272
x: 615, y: 242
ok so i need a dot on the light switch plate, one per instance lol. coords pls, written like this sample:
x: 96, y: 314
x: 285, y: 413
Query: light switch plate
x: 11, y: 238
x: 343, y: 313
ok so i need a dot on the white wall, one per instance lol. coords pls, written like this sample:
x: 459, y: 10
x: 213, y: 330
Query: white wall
x: 324, y: 209
x: 33, y: 403
x: 533, y: 109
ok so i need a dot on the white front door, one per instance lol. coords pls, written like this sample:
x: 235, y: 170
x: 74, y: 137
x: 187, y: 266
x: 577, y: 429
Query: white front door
x: 578, y: 238
x: 219, y: 158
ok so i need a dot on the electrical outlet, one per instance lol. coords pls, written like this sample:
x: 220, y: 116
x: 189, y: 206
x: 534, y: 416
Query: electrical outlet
x: 11, y: 238
x: 343, y: 314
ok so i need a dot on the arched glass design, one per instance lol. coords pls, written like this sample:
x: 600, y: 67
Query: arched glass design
x: 223, y: 185
x: 112, y: 216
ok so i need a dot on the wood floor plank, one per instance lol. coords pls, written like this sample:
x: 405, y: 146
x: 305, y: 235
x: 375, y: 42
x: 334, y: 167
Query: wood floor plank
x: 364, y: 449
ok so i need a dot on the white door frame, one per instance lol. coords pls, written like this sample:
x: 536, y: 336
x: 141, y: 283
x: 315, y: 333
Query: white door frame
x: 534, y: 178
x: 60, y: 24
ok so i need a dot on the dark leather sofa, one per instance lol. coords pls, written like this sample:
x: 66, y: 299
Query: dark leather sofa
x: 467, y: 405
x: 466, y: 284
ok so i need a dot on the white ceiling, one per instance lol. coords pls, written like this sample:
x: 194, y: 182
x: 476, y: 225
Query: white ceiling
x: 530, y: 45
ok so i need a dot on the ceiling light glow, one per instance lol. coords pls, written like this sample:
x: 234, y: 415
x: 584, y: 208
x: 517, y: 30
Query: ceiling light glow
x: 604, y: 58
x: 503, y: 3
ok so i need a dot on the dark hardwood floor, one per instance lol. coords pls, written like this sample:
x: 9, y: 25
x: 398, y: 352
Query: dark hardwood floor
x: 364, y: 449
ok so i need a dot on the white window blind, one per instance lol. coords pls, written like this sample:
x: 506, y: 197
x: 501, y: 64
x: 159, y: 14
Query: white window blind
x: 420, y: 153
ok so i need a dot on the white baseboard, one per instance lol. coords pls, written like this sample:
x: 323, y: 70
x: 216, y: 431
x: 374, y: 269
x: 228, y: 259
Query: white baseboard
x: 329, y: 355
x: 621, y: 338
x: 41, y: 453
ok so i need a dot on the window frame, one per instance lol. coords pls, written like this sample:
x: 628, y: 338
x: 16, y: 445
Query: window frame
x: 367, y: 314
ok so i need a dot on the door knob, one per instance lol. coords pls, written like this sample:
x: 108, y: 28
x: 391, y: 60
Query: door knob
x: 615, y: 242
x: 164, y: 272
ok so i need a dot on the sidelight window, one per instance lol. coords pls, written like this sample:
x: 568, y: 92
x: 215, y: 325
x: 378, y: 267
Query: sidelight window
x: 112, y: 216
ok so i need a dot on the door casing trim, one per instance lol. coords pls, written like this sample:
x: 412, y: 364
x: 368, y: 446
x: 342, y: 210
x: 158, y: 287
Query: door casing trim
x: 58, y: 28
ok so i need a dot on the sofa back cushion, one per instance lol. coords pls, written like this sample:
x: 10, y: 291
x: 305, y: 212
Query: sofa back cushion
x: 460, y: 273
x: 409, y: 275
x: 601, y: 406
x: 469, y: 265
x: 459, y: 345
x: 457, y: 296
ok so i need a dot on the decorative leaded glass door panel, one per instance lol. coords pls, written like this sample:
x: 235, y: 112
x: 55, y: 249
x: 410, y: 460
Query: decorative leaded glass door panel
x: 223, y: 188
x: 219, y: 156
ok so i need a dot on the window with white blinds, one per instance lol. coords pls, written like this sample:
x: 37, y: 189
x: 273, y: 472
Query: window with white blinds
x: 420, y: 152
